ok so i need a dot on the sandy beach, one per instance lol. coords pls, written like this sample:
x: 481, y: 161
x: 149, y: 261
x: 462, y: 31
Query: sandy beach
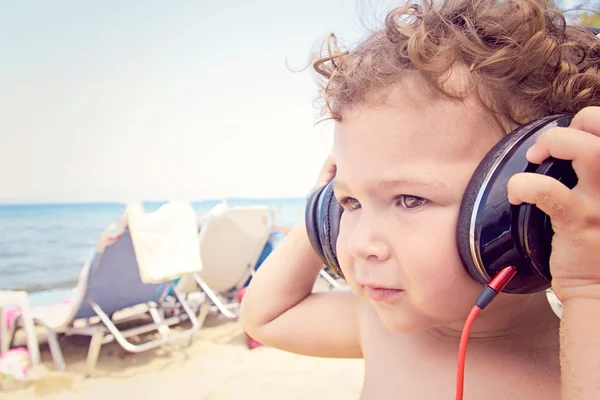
x: 216, y: 366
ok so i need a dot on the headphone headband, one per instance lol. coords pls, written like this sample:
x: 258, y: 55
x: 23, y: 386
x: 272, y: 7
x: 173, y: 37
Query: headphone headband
x: 595, y: 31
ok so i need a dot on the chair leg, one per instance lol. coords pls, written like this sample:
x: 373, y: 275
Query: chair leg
x: 7, y: 335
x: 94, y: 352
x: 57, y: 356
x: 30, y: 331
x: 159, y: 320
x: 214, y: 298
x: 333, y: 284
x: 4, y: 338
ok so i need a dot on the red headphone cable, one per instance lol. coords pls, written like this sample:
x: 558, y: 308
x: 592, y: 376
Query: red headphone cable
x: 490, y: 291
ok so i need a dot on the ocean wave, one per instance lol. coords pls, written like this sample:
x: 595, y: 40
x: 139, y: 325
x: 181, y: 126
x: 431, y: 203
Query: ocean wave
x: 40, y: 287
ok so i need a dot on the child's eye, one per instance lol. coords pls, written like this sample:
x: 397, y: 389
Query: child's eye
x: 410, y: 202
x: 349, y: 204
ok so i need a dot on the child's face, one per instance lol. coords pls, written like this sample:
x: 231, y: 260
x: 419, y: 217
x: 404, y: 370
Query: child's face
x: 402, y: 169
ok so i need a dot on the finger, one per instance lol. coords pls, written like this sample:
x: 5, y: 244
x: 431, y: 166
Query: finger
x: 328, y: 171
x: 331, y: 162
x: 548, y: 194
x: 587, y: 120
x: 583, y: 148
x: 566, y: 144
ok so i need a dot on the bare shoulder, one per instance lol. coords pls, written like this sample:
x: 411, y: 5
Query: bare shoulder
x: 409, y: 363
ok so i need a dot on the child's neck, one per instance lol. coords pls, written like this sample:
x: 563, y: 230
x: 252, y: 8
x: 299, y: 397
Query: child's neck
x: 532, y: 319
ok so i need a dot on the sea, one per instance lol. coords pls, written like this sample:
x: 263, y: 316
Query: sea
x: 44, y: 246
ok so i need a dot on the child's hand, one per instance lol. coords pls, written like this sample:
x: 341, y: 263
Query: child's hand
x: 575, y: 214
x: 327, y: 171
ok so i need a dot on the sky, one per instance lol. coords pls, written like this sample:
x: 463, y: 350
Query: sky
x: 154, y: 100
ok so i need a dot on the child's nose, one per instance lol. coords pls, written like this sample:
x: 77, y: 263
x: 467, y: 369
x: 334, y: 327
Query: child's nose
x: 367, y: 241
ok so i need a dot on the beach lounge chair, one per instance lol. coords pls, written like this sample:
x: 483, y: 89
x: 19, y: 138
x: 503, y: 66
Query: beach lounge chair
x: 326, y: 274
x: 21, y: 301
x: 112, y: 283
x: 231, y: 241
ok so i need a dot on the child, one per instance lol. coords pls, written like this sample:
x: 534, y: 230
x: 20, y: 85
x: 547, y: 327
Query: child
x: 416, y: 106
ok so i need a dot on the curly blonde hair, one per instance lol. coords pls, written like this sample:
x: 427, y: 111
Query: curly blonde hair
x: 520, y: 57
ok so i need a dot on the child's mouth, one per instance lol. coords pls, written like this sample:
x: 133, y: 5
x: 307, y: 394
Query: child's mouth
x: 381, y: 294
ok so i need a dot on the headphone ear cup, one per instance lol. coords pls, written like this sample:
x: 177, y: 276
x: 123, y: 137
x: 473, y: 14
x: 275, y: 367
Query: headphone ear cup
x: 471, y: 196
x: 491, y: 232
x: 313, y: 225
x: 331, y: 214
x: 322, y: 217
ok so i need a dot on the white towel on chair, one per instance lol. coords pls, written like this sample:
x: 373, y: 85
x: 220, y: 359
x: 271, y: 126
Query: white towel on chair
x: 165, y: 241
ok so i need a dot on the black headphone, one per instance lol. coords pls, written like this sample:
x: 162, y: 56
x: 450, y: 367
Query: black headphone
x: 491, y: 233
